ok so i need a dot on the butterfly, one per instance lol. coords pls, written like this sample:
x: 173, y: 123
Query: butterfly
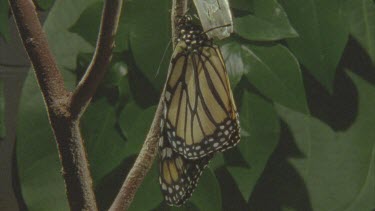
x: 178, y: 175
x: 199, y: 113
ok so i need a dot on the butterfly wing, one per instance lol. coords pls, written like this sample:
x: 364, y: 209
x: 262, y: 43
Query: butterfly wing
x: 200, y: 116
x: 200, y: 113
x: 178, y: 176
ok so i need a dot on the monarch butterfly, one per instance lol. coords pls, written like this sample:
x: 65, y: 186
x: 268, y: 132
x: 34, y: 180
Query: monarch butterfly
x: 178, y: 176
x: 200, y: 116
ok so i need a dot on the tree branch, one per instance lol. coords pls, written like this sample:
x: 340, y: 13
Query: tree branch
x: 64, y: 109
x: 141, y: 166
x: 148, y: 152
x: 49, y: 78
x: 75, y: 167
x: 102, y: 56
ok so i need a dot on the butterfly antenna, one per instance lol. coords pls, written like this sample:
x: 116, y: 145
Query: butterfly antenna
x: 217, y: 27
x: 162, y: 58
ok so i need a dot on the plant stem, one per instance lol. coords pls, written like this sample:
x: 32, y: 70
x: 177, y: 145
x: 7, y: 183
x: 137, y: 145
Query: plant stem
x: 148, y: 152
x: 63, y: 107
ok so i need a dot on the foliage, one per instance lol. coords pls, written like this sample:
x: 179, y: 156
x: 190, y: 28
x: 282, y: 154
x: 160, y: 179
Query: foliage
x: 303, y: 73
x: 4, y: 28
x: 2, y: 110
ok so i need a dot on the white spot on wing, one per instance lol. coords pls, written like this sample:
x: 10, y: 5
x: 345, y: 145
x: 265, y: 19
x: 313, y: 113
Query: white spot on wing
x: 167, y: 96
x: 169, y: 152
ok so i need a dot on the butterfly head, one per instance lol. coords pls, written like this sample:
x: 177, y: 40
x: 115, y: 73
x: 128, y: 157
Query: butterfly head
x: 191, y: 34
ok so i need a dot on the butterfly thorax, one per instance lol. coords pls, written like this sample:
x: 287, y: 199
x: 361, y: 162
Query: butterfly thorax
x: 191, y: 35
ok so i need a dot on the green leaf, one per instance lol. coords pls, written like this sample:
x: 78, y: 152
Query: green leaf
x: 269, y: 22
x: 123, y: 30
x: 188, y: 206
x: 246, y: 5
x: 38, y: 163
x: 149, y: 37
x: 235, y: 61
x: 217, y: 161
x: 207, y: 196
x: 337, y: 167
x: 105, y: 147
x: 126, y: 120
x: 139, y: 85
x: 4, y: 20
x: 322, y: 36
x: 116, y: 72
x: 272, y: 70
x: 87, y: 26
x: 245, y: 179
x: 124, y: 91
x: 361, y: 20
x: 2, y: 110
x: 37, y: 159
x: 288, y: 209
x: 135, y: 123
x: 44, y: 4
x: 149, y: 194
x: 260, y: 132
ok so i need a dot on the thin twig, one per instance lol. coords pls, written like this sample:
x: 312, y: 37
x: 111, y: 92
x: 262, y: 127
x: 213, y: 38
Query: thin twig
x: 102, y: 56
x: 148, y: 152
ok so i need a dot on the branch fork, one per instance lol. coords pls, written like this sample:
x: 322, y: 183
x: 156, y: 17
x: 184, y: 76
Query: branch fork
x: 65, y: 108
